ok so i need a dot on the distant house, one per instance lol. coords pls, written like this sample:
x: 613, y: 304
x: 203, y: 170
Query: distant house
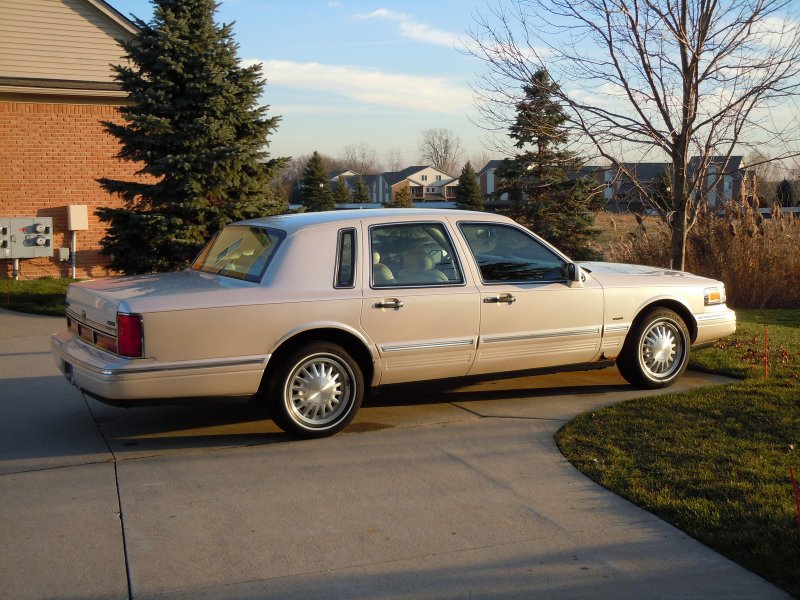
x: 56, y: 87
x: 349, y: 177
x: 427, y: 184
x: 487, y: 179
x: 628, y: 185
x: 631, y: 184
x: 724, y: 179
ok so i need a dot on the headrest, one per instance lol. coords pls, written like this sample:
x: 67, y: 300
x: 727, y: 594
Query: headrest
x: 417, y: 260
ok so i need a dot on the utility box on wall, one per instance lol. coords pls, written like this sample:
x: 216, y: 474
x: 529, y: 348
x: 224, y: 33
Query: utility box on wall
x: 77, y: 217
x: 26, y: 237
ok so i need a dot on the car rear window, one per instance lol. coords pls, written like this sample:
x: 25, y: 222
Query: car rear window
x: 240, y: 252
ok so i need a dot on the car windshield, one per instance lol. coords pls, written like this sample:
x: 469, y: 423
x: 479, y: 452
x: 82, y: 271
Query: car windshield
x: 240, y: 252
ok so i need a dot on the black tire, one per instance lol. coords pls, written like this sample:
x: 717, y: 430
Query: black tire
x: 656, y: 350
x: 316, y: 391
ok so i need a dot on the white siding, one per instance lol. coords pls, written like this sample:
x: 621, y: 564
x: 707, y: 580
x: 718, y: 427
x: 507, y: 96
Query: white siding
x: 58, y: 39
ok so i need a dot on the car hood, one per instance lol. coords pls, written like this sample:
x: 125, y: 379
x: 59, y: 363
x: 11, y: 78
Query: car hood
x: 608, y: 273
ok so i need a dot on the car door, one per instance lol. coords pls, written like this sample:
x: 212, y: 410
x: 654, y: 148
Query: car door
x: 418, y: 309
x: 530, y: 316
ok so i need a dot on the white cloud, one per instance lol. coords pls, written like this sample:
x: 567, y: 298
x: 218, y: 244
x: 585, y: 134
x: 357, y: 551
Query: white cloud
x: 415, y: 30
x: 370, y: 86
x: 775, y: 32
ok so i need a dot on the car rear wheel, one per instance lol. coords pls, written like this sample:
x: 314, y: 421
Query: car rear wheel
x: 317, y: 390
x: 656, y: 351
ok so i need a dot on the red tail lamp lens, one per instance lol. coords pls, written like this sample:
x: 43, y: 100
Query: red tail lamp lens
x: 129, y: 335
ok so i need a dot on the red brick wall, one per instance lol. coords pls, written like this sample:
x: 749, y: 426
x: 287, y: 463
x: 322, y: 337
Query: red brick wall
x: 50, y: 157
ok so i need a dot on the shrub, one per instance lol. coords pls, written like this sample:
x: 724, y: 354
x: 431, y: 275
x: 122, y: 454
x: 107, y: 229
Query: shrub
x: 757, y: 258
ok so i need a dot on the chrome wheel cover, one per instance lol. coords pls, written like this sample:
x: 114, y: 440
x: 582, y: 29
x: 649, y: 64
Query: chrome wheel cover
x: 662, y: 349
x: 319, y: 391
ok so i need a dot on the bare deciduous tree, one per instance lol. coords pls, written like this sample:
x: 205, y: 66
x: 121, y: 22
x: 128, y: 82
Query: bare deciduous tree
x: 767, y: 175
x: 479, y: 159
x: 441, y: 148
x: 394, y: 160
x: 360, y: 158
x: 680, y: 78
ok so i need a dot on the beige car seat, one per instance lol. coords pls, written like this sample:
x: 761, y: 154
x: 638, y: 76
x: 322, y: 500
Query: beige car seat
x: 381, y: 274
x: 418, y: 269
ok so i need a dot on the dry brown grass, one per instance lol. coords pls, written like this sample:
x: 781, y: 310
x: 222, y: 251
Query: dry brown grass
x: 757, y: 258
x: 614, y: 227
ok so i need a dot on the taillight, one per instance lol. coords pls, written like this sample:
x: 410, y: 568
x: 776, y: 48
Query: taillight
x: 129, y: 335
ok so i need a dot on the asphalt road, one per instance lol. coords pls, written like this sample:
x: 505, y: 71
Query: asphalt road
x: 433, y: 492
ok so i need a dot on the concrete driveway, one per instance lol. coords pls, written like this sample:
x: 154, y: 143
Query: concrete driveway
x: 433, y: 492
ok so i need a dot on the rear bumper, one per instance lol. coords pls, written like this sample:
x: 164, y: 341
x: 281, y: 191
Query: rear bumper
x: 123, y: 380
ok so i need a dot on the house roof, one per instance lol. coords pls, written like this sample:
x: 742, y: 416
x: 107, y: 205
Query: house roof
x: 492, y: 164
x: 395, y: 177
x: 730, y: 164
x: 336, y: 173
x: 645, y: 171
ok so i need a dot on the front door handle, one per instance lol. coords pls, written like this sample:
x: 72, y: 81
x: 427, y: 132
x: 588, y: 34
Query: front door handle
x: 507, y: 298
x: 390, y: 303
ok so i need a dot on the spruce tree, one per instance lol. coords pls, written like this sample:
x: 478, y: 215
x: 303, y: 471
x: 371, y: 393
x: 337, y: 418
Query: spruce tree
x: 402, y: 199
x: 315, y: 193
x: 468, y: 192
x: 784, y: 194
x: 543, y: 196
x: 195, y: 127
x: 342, y: 191
x: 660, y: 196
x: 362, y: 191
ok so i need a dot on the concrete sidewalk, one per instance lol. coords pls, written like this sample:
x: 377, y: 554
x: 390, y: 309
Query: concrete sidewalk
x: 433, y: 492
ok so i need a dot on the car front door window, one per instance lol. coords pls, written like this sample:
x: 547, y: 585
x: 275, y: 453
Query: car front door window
x: 506, y: 254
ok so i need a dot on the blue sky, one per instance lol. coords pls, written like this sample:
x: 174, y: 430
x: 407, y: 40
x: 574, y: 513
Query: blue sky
x: 350, y: 72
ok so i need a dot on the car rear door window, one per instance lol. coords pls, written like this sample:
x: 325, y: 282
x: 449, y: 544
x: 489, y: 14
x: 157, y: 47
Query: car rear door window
x: 413, y: 255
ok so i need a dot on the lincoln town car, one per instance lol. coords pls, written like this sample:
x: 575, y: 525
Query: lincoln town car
x: 309, y: 312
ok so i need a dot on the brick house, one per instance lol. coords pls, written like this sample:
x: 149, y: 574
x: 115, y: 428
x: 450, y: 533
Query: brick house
x: 56, y: 87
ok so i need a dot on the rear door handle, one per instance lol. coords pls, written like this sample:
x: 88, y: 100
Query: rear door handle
x: 390, y: 303
x: 507, y: 298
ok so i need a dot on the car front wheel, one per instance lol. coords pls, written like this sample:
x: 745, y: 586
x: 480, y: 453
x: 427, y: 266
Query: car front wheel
x: 317, y: 391
x: 656, y: 351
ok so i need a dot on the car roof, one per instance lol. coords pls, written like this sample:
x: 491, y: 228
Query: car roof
x: 296, y: 221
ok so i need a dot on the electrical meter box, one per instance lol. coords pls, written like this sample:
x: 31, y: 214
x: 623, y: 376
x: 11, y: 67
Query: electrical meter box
x: 26, y: 237
x: 5, y: 238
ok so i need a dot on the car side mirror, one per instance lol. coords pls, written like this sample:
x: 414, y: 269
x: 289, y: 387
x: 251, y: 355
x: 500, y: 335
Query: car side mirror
x: 575, y: 276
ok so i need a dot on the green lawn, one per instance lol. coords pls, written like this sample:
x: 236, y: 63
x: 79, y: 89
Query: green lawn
x: 714, y: 462
x: 38, y: 296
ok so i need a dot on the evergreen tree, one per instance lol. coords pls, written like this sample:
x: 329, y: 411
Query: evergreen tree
x: 661, y: 192
x: 468, y: 192
x: 315, y: 193
x: 543, y: 196
x: 342, y: 191
x: 785, y: 195
x: 402, y: 199
x: 195, y: 127
x: 362, y: 191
